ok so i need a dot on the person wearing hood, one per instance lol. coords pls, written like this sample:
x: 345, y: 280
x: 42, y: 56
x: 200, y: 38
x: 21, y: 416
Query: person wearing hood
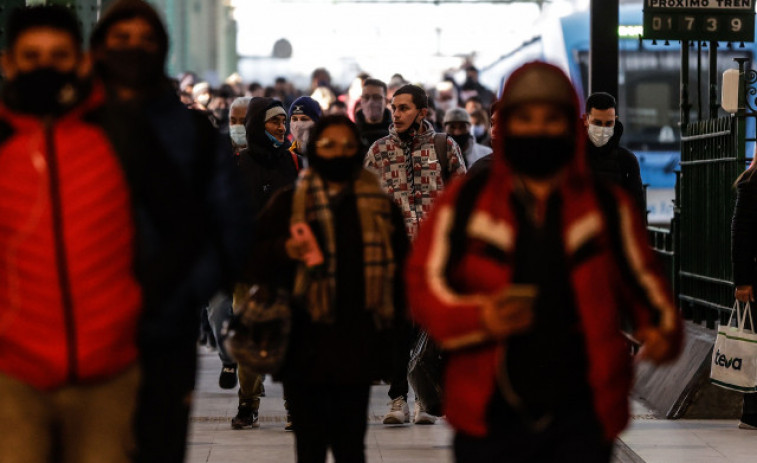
x: 191, y: 215
x: 373, y: 118
x: 346, y: 307
x: 413, y: 173
x: 303, y: 113
x: 267, y: 166
x: 524, y: 274
x: 457, y: 124
x: 237, y: 132
x: 607, y: 159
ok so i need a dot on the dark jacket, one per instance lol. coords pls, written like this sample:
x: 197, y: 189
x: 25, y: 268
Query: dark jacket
x: 369, y: 133
x: 615, y: 164
x: 265, y: 168
x: 744, y: 231
x: 192, y: 219
x: 351, y: 350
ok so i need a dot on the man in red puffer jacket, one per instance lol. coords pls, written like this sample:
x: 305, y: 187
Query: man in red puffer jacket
x: 69, y: 299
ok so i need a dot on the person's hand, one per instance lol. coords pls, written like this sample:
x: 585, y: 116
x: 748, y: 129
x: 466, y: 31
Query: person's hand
x: 296, y: 249
x: 744, y: 293
x: 503, y: 318
x: 657, y: 346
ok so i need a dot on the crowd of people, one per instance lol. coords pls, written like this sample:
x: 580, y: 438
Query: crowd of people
x: 136, y: 208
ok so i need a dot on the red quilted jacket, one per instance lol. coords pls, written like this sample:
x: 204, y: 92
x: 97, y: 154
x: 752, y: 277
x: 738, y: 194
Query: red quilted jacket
x: 69, y: 300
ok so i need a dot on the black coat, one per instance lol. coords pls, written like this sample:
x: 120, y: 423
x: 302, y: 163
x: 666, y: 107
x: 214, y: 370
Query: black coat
x: 744, y: 232
x: 351, y: 350
x: 616, y: 165
x: 264, y: 167
x: 369, y: 133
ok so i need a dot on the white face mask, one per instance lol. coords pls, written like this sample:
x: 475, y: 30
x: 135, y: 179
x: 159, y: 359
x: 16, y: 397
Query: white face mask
x: 301, y: 131
x: 238, y: 135
x: 600, y: 136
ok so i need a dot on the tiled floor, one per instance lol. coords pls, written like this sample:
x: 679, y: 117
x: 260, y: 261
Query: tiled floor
x: 212, y: 440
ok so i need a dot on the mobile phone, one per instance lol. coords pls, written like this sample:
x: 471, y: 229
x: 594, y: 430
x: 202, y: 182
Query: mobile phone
x: 302, y: 233
x: 518, y: 292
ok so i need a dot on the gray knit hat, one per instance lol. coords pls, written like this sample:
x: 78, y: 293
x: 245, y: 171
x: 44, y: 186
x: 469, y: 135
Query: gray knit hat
x: 457, y: 115
x: 537, y: 83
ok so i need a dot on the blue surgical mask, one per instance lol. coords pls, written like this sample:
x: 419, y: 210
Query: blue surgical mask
x: 276, y: 143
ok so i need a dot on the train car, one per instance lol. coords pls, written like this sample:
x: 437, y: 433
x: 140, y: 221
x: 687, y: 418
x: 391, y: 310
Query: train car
x: 649, y: 89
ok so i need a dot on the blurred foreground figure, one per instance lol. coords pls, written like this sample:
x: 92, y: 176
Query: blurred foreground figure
x: 743, y: 253
x: 190, y: 220
x: 69, y: 299
x: 524, y: 272
x: 349, y: 305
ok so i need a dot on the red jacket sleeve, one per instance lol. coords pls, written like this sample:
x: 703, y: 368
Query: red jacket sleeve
x: 446, y: 315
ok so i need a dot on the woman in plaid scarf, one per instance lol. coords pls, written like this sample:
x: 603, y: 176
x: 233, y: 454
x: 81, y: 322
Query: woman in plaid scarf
x: 338, y: 243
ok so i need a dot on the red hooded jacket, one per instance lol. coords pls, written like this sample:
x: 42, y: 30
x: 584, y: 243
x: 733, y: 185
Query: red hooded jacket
x: 601, y: 293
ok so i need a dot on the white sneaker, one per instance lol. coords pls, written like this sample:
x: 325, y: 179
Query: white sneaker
x: 421, y: 417
x: 743, y: 425
x: 399, y: 413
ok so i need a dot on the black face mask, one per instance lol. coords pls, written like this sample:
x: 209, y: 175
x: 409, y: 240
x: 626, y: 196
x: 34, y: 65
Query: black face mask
x: 408, y: 135
x: 337, y: 170
x: 133, y: 68
x: 462, y: 140
x: 43, y: 91
x: 538, y: 157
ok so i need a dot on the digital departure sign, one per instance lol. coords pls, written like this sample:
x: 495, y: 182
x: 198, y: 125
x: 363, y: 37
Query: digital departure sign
x: 706, y: 20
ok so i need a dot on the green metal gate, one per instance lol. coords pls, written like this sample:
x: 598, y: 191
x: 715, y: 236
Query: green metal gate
x: 711, y: 159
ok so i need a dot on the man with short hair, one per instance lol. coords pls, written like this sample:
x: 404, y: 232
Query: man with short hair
x: 473, y: 88
x: 192, y: 223
x: 373, y: 118
x: 69, y: 300
x: 414, y: 173
x: 457, y: 124
x: 607, y: 159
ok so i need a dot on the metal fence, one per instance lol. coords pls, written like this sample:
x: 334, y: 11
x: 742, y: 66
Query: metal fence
x: 710, y: 161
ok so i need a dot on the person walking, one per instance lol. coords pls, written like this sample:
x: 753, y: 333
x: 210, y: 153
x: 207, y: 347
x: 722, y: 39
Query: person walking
x: 413, y: 164
x: 743, y: 253
x: 523, y: 273
x: 345, y: 309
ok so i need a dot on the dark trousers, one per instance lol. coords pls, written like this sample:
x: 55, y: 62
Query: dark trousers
x: 572, y: 439
x: 163, y: 404
x: 398, y: 386
x: 328, y: 416
x: 750, y: 405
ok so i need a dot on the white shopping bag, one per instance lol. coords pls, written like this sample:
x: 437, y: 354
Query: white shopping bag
x: 734, y: 356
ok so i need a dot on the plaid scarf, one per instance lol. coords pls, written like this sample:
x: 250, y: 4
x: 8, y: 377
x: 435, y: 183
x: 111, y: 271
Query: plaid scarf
x: 317, y: 286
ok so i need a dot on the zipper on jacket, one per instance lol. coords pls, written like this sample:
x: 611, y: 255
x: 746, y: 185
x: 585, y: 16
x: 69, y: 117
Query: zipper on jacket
x: 60, y: 253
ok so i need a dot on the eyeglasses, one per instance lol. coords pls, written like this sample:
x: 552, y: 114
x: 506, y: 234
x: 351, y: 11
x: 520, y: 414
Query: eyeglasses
x: 372, y: 97
x: 327, y: 144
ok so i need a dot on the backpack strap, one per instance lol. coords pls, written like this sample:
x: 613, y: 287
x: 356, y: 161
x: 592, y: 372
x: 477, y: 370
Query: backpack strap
x: 295, y: 160
x: 464, y: 204
x: 440, y: 146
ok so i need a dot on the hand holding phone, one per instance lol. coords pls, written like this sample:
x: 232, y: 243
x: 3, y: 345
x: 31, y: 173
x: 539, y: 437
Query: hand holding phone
x: 304, y: 245
x: 510, y: 312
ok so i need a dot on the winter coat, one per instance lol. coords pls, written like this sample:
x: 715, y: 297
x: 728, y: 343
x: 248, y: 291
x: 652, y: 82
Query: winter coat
x: 744, y: 231
x: 388, y: 158
x: 351, y: 350
x: 610, y: 271
x: 264, y: 167
x: 615, y: 164
x: 474, y: 151
x: 369, y: 133
x: 120, y: 267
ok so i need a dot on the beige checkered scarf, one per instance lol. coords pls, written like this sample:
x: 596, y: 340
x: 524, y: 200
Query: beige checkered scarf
x: 317, y: 286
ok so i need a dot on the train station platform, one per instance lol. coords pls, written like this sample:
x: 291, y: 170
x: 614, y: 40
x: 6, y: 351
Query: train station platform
x: 647, y: 440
